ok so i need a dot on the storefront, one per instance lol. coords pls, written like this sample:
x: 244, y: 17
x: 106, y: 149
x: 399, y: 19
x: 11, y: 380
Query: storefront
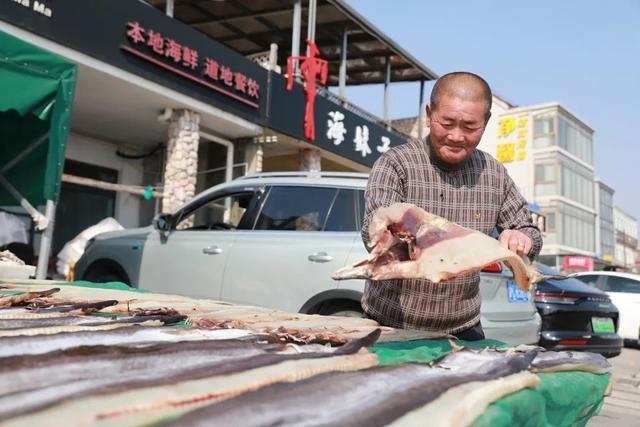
x: 152, y: 96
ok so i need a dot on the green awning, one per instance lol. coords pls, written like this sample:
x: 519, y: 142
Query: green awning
x: 36, y: 97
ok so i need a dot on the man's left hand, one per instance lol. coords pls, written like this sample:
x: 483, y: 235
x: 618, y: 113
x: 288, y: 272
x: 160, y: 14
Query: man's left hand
x: 516, y: 241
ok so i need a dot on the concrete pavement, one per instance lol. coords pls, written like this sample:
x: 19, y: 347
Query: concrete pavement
x: 622, y: 408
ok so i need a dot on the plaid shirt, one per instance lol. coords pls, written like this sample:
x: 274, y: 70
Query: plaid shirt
x: 480, y: 195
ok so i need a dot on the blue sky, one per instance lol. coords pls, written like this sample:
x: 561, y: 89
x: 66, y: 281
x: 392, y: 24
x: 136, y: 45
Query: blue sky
x: 583, y: 54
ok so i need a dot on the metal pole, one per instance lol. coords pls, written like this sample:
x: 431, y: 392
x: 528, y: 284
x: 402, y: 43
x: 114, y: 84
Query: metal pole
x: 311, y: 26
x: 169, y: 8
x: 343, y: 65
x: 273, y: 56
x: 35, y: 144
x: 45, y: 242
x: 387, y: 80
x: 295, y: 34
x: 421, y: 112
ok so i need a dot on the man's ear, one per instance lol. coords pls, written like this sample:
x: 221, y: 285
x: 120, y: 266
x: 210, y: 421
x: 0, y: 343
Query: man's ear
x: 428, y: 118
x: 488, y: 116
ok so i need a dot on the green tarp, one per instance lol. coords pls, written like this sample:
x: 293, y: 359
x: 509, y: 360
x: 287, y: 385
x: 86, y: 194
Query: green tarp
x: 36, y: 96
x: 561, y: 398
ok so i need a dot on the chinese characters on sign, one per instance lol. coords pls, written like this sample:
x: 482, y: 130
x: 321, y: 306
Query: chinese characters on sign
x: 510, y: 127
x: 335, y: 127
x: 336, y: 132
x: 208, y: 70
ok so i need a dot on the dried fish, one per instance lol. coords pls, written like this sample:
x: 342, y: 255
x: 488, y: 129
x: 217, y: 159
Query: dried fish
x: 21, y: 299
x: 137, y: 406
x: 371, y: 397
x: 136, y: 334
x: 555, y: 361
x: 467, y: 360
x: 145, y: 369
x: 410, y: 243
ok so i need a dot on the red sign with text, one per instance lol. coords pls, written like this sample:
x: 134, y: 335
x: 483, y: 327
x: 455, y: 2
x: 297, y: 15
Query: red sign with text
x: 575, y: 262
x: 187, y: 62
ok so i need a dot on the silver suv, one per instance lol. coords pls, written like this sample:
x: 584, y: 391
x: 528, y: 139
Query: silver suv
x: 273, y: 240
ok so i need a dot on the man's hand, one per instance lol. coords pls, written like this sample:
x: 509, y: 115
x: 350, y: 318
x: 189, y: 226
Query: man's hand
x: 516, y: 241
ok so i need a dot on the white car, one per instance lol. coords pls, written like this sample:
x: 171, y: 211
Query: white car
x: 273, y: 240
x: 624, y: 291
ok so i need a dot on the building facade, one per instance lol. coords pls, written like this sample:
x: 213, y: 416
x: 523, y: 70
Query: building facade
x: 548, y: 152
x: 626, y: 240
x: 164, y: 109
x: 605, y: 229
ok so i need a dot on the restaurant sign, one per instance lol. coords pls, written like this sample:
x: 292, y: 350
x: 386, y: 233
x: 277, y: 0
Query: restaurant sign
x: 336, y: 127
x: 187, y: 62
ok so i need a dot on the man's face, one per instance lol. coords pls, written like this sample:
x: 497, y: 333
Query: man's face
x: 456, y: 128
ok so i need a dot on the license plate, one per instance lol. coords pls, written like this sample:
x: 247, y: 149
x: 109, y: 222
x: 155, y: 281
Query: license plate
x: 515, y: 293
x: 602, y: 325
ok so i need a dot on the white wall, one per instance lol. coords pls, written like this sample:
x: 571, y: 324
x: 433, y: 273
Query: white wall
x: 101, y: 153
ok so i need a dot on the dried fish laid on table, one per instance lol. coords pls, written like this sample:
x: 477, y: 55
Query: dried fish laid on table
x: 136, y: 335
x: 12, y: 300
x: 56, y: 325
x: 370, y: 397
x: 557, y: 361
x: 140, y: 369
x: 54, y: 310
x: 85, y: 308
x: 467, y: 360
x: 20, y: 373
x: 410, y: 243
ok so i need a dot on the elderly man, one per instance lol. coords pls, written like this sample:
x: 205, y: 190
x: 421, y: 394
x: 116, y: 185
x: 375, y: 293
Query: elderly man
x: 447, y: 175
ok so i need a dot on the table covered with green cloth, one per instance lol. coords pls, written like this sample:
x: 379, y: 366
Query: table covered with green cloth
x: 561, y: 399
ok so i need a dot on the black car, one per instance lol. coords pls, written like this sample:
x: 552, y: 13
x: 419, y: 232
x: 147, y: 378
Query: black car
x: 576, y: 316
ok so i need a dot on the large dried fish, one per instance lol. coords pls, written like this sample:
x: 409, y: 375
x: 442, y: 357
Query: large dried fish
x: 371, y: 397
x: 58, y: 324
x: 39, y: 344
x: 21, y: 373
x: 461, y: 405
x: 145, y: 369
x: 556, y: 361
x: 139, y: 406
x: 21, y: 299
x: 468, y: 360
x: 410, y: 243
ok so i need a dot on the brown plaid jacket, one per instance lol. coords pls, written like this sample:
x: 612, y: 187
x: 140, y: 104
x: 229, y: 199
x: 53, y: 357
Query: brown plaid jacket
x: 480, y: 196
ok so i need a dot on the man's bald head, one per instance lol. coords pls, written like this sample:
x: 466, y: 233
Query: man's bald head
x: 462, y: 85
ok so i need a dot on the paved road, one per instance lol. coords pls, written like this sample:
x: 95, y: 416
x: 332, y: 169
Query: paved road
x: 622, y: 408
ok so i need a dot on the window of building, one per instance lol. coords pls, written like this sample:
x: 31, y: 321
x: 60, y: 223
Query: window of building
x: 576, y: 182
x: 575, y: 139
x: 551, y: 221
x: 544, y: 130
x: 546, y: 183
x: 577, y: 227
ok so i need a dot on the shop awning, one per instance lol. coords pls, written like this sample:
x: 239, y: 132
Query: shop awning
x: 249, y: 27
x: 36, y: 96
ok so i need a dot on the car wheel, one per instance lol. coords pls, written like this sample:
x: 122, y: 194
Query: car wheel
x: 103, y: 274
x: 341, y: 308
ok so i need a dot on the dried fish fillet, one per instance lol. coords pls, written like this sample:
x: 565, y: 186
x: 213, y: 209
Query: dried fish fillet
x: 410, y: 243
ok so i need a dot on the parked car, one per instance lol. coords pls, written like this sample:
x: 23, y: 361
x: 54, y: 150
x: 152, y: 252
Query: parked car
x: 624, y: 291
x: 576, y: 316
x: 273, y: 240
